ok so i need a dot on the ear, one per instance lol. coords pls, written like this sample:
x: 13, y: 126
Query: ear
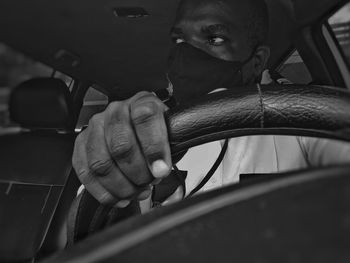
x: 252, y: 72
x: 260, y: 59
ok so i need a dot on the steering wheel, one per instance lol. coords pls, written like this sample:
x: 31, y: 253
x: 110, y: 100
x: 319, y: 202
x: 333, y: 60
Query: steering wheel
x: 299, y: 110
x: 295, y: 217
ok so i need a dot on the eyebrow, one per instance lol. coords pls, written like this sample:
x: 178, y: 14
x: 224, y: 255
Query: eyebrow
x: 211, y: 29
x: 216, y: 28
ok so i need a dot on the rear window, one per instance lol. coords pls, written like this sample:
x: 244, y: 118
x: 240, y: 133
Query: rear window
x: 15, y: 68
x: 294, y: 69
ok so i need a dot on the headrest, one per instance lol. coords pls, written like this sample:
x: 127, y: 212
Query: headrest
x: 42, y: 103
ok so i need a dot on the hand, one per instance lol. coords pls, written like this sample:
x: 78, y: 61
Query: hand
x: 124, y: 150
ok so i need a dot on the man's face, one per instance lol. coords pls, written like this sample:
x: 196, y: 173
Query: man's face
x: 214, y: 27
x: 220, y: 29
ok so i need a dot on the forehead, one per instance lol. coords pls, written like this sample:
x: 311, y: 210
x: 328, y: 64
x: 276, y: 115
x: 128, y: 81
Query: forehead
x: 196, y: 11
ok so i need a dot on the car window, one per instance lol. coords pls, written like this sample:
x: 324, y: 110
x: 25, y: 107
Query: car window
x: 336, y: 31
x: 94, y: 102
x: 294, y: 69
x: 340, y: 24
x: 16, y: 68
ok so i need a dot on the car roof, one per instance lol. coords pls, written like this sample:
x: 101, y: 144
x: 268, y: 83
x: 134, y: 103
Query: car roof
x: 87, y: 40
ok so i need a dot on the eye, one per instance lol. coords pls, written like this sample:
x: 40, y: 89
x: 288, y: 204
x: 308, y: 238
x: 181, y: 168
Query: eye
x: 216, y: 41
x: 178, y: 40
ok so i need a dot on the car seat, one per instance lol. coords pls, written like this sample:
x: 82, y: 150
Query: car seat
x: 35, y: 165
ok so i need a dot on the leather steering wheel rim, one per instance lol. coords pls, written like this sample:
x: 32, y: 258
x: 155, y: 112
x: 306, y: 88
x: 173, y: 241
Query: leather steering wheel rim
x: 299, y: 110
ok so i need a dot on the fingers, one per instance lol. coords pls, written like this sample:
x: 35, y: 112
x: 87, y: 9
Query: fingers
x: 124, y: 150
x: 96, y: 172
x: 147, y: 116
x: 88, y: 179
x: 101, y: 164
x: 123, y: 145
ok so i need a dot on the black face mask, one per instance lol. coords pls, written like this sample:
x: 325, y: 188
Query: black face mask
x: 193, y: 72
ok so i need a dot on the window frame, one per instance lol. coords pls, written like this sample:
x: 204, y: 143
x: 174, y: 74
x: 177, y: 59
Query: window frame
x: 335, y: 47
x: 325, y: 48
x: 336, y: 42
x: 338, y: 53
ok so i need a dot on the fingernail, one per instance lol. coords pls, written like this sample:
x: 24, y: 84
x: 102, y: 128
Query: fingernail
x: 160, y: 169
x: 123, y: 204
x: 144, y: 195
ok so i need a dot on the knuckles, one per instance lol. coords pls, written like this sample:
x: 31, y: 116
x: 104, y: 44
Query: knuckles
x: 141, y: 96
x: 143, y: 108
x: 115, y: 106
x: 101, y: 167
x: 121, y: 148
x: 144, y: 112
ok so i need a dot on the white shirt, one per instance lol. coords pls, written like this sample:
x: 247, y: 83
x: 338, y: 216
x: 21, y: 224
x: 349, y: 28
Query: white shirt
x: 255, y: 155
x: 260, y: 155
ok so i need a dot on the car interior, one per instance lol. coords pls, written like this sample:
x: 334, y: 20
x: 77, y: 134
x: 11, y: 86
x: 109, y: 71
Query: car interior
x: 110, y: 50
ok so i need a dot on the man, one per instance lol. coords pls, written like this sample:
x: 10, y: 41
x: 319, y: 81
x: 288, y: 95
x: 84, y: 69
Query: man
x: 218, y: 44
